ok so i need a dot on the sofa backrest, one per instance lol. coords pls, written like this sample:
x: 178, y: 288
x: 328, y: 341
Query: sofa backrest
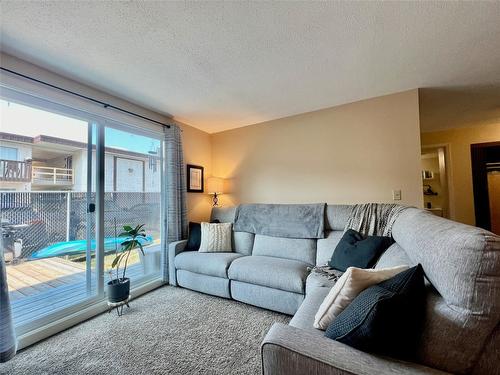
x: 301, y: 249
x: 463, y: 305
x: 242, y: 241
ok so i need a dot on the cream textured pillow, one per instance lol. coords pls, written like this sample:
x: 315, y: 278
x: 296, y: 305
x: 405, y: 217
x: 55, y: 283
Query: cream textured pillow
x: 348, y: 286
x: 215, y: 237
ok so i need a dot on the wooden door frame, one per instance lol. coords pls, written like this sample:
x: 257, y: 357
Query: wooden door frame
x: 479, y: 157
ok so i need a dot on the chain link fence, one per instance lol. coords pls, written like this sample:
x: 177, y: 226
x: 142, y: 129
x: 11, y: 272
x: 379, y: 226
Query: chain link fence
x: 40, y: 219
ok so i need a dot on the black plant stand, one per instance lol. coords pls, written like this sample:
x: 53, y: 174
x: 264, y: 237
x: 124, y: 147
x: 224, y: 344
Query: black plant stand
x: 118, y: 306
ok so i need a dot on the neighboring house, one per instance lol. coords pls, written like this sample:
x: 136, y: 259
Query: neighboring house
x: 43, y: 163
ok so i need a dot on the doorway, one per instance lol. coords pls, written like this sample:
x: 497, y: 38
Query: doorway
x: 435, y: 186
x: 485, y: 158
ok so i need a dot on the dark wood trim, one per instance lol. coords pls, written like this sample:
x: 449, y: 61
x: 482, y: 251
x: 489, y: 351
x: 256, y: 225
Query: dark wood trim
x: 188, y: 176
x: 482, y: 153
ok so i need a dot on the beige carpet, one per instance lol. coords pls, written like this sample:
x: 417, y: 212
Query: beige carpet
x: 167, y: 331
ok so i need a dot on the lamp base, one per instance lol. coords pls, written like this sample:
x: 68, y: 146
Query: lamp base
x: 215, y: 200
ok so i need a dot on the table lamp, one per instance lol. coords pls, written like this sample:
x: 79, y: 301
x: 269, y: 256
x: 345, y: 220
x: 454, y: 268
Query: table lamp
x: 215, y: 186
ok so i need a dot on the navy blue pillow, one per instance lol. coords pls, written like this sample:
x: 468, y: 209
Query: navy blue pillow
x: 354, y: 250
x: 194, y: 238
x: 386, y: 318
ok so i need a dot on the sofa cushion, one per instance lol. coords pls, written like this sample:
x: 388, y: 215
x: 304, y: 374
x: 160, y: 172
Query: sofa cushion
x: 385, y: 318
x: 326, y: 246
x: 284, y: 274
x: 337, y: 216
x: 300, y: 249
x: 223, y: 214
x: 304, y: 317
x: 394, y: 256
x: 355, y: 250
x: 211, y: 264
x: 243, y: 242
x: 315, y: 280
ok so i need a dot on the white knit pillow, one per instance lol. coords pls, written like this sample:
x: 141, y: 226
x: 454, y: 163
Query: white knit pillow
x: 348, y: 286
x: 215, y: 237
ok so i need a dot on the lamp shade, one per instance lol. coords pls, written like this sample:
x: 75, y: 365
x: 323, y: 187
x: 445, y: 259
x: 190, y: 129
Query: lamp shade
x: 215, y: 185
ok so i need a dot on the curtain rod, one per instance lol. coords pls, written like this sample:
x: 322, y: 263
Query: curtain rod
x: 105, y: 105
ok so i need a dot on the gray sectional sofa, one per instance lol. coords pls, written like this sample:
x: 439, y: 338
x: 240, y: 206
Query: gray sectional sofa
x: 461, y: 264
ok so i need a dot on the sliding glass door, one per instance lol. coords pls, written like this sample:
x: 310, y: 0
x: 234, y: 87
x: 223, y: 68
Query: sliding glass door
x: 47, y: 186
x: 69, y: 184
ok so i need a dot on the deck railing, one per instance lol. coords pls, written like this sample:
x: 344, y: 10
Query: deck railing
x: 15, y: 171
x: 52, y: 176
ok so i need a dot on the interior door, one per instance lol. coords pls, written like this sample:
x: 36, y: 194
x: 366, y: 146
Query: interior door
x: 485, y: 158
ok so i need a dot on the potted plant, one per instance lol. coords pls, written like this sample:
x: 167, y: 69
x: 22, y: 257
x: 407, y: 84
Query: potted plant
x: 119, y: 287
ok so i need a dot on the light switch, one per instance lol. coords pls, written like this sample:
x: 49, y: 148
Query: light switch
x: 396, y: 195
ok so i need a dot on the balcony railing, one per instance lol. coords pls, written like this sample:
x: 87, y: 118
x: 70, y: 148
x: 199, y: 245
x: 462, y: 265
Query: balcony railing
x: 15, y: 171
x: 52, y: 176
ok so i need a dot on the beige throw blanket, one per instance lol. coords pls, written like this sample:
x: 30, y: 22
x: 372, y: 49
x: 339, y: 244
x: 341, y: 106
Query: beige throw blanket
x: 374, y: 219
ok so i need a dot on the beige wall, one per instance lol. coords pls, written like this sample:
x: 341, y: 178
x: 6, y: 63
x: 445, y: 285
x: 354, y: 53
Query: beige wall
x: 458, y: 141
x: 198, y: 151
x: 352, y: 153
x: 197, y: 146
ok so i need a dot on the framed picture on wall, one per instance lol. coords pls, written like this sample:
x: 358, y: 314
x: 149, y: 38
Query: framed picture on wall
x: 194, y: 178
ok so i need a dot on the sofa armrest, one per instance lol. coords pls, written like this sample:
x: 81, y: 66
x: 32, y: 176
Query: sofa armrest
x: 174, y: 248
x: 288, y: 350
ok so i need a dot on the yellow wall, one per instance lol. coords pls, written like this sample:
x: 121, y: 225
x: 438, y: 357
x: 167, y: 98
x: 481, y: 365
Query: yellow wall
x: 197, y: 150
x: 459, y: 141
x: 352, y: 153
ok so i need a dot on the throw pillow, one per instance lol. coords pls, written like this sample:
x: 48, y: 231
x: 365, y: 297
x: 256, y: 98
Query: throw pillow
x: 347, y: 287
x: 354, y: 250
x: 194, y: 237
x: 386, y: 318
x: 216, y: 237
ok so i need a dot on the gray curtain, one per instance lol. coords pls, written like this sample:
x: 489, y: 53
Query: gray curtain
x: 175, y: 189
x: 8, y: 344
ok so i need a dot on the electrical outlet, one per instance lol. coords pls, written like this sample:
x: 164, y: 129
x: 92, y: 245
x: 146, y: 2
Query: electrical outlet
x: 396, y: 195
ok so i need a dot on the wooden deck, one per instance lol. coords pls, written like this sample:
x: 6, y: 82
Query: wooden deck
x: 32, y: 277
x: 40, y: 287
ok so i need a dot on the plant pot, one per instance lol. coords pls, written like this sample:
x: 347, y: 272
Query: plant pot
x: 118, y: 290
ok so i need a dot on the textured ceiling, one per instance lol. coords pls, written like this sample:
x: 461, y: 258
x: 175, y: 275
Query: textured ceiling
x: 220, y: 65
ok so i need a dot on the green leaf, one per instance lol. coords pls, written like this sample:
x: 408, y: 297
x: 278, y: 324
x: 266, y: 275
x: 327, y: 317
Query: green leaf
x: 128, y: 228
x: 115, y: 261
x: 142, y: 250
x: 124, y: 234
x: 126, y: 243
